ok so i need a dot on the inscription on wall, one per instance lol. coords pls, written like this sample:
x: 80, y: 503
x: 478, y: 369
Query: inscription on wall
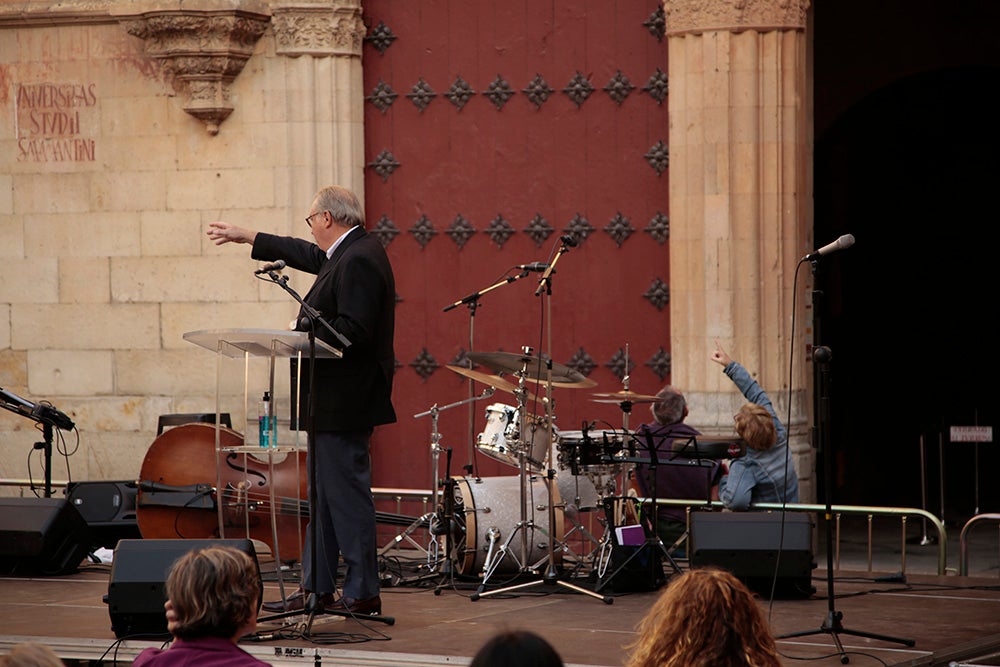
x: 53, y: 121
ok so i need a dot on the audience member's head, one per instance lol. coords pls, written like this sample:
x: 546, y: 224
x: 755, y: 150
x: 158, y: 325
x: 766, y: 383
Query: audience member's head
x: 213, y: 592
x: 706, y: 617
x: 755, y: 424
x: 670, y: 406
x: 516, y: 648
x: 31, y: 654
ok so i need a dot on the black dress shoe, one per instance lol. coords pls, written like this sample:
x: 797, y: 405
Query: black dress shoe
x: 297, y: 602
x: 366, y: 607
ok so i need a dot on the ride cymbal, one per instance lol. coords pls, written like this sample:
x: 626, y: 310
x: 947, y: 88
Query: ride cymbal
x: 485, y: 378
x: 534, y: 368
x: 624, y: 397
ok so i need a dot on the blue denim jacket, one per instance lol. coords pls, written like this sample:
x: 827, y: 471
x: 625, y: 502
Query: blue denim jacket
x: 759, y: 476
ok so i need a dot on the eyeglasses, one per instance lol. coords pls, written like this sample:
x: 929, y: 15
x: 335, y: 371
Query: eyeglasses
x: 311, y: 216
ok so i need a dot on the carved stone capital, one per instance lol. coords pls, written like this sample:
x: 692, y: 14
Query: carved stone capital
x: 318, y: 28
x: 697, y: 16
x: 204, y: 50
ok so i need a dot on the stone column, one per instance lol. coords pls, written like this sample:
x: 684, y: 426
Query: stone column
x: 740, y: 209
x: 324, y: 93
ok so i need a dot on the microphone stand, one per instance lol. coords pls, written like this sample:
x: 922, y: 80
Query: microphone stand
x: 312, y: 316
x: 551, y: 576
x: 821, y: 358
x: 47, y: 416
x: 472, y: 301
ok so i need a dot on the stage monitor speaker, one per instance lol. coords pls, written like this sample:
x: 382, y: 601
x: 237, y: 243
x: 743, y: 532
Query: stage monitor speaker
x: 137, y: 588
x: 41, y: 536
x: 108, y: 508
x: 747, y: 544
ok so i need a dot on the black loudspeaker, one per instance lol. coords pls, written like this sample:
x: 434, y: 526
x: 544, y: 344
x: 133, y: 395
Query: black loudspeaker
x: 747, y: 544
x: 108, y: 508
x: 41, y: 536
x: 137, y: 589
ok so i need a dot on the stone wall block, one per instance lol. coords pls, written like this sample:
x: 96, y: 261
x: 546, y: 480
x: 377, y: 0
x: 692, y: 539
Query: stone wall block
x: 92, y: 234
x: 170, y: 373
x: 158, y: 279
x: 118, y: 456
x: 181, y: 318
x: 29, y: 281
x: 85, y: 326
x: 169, y: 234
x: 70, y: 372
x: 250, y: 187
x: 84, y: 280
x: 51, y: 192
x: 6, y: 196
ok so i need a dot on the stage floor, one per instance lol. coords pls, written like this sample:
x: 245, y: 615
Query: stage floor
x: 950, y: 618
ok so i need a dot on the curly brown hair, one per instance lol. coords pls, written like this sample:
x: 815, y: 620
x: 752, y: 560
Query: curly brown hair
x: 755, y: 424
x: 706, y: 617
x: 214, y: 592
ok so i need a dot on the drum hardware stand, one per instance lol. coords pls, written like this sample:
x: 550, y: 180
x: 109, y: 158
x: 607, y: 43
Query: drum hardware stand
x: 425, y: 520
x: 551, y: 576
x: 821, y: 357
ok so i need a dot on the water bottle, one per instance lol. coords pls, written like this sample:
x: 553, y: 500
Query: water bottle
x: 264, y: 420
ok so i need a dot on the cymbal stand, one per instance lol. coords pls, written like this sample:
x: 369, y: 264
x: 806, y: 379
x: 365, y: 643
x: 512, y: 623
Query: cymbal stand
x: 425, y: 520
x: 472, y: 302
x: 551, y: 576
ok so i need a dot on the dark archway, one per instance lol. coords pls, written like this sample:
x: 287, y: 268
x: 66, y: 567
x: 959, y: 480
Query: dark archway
x: 911, y: 170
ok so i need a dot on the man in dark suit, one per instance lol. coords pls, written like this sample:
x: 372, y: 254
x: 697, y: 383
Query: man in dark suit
x: 355, y: 292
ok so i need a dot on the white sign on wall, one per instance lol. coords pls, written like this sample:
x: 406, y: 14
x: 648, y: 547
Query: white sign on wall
x: 972, y: 434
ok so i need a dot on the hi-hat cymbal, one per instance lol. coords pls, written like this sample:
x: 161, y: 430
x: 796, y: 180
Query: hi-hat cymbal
x: 535, y: 368
x: 624, y: 397
x: 485, y: 378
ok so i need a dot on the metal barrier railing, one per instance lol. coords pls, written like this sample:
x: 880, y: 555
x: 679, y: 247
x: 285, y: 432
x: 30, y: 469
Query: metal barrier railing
x: 963, y: 545
x: 838, y: 511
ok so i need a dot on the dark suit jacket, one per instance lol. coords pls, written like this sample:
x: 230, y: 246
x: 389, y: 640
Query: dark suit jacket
x: 355, y: 292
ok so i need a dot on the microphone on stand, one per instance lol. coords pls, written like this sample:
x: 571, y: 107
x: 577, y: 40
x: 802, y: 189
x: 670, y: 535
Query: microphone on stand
x: 844, y: 242
x: 276, y: 265
x: 569, y: 240
x: 537, y: 267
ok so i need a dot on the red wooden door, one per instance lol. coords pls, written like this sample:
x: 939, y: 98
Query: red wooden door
x: 493, y: 129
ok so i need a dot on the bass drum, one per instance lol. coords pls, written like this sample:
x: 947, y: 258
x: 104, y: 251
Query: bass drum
x: 491, y: 511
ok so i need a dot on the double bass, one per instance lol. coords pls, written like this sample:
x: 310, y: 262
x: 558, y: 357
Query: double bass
x: 178, y: 496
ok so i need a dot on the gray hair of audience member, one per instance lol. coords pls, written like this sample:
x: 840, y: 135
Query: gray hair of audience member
x: 516, y: 648
x: 671, y: 408
x: 214, y: 592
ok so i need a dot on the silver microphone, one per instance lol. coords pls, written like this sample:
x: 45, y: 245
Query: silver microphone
x: 276, y: 265
x: 844, y: 242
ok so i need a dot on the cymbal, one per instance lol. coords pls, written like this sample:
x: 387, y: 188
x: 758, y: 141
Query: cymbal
x: 624, y: 397
x: 535, y: 368
x: 485, y: 378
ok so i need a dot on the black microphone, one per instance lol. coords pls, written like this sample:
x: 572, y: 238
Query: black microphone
x: 537, y: 267
x: 276, y: 265
x: 844, y: 242
x: 569, y: 240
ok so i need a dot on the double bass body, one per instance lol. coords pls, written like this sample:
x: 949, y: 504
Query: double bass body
x: 186, y: 491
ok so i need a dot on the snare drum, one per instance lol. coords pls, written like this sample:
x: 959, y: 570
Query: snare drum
x: 501, y: 438
x: 491, y: 509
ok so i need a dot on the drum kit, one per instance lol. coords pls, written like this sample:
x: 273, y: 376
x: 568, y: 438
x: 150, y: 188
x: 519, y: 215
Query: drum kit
x: 515, y: 524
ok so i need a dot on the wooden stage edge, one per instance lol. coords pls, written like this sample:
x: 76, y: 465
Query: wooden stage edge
x: 950, y: 619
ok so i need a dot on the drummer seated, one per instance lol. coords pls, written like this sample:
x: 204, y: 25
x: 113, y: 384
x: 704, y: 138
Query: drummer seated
x: 670, y: 476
